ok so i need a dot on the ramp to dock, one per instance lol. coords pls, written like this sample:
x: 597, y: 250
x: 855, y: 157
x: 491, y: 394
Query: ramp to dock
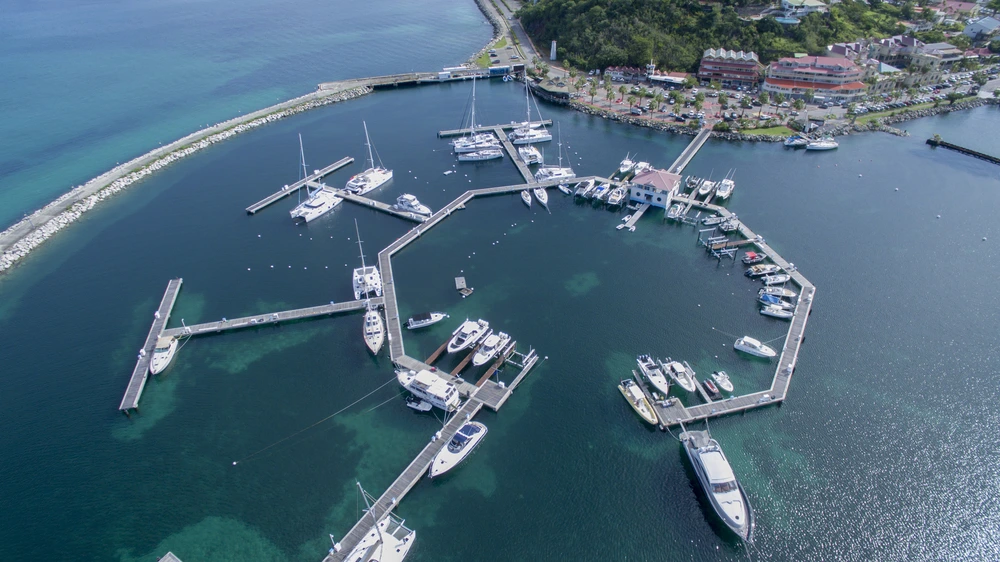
x: 685, y: 158
x: 270, y: 318
x: 139, y: 375
x: 286, y: 191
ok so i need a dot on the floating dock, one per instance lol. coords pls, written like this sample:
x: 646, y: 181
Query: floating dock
x: 141, y: 372
x: 488, y: 129
x: 379, y: 206
x: 638, y: 215
x: 290, y: 189
x: 508, y: 146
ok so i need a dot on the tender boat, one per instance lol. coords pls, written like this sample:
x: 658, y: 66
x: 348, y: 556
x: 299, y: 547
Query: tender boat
x: 722, y: 379
x: 418, y: 404
x: 529, y: 154
x: 542, y: 195
x: 754, y: 347
x: 761, y: 270
x: 776, y: 279
x: 467, y: 334
x: 374, y: 329
x: 431, y: 388
x: 674, y: 212
x: 631, y: 391
x: 725, y: 189
x: 778, y: 292
x: 718, y: 482
x: 714, y: 220
x: 654, y: 374
x: 320, y: 202
x: 626, y: 218
x: 706, y: 187
x: 163, y: 354
x: 617, y: 195
x: 493, y: 344
x: 776, y: 312
x: 822, y: 144
x: 581, y: 189
x: 730, y: 225
x: 460, y: 447
x: 796, y: 141
x: 372, y: 178
x: 387, y: 541
x: 489, y: 153
x: 564, y: 188
x: 424, y: 319
x: 681, y: 374
x: 692, y: 182
x: 773, y: 300
x: 626, y: 166
x: 410, y: 204
x: 751, y: 258
x: 526, y: 197
x: 711, y: 390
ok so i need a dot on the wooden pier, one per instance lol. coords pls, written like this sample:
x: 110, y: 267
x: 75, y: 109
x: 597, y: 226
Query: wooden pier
x: 141, y: 372
x: 379, y: 206
x: 685, y: 158
x: 267, y: 318
x: 638, y: 215
x: 488, y: 128
x: 508, y: 146
x: 936, y: 141
x: 288, y: 190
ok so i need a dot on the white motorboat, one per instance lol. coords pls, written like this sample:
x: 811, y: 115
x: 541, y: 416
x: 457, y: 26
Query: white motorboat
x: 761, y: 269
x: 581, y: 189
x: 654, y: 374
x: 374, y: 329
x: 826, y: 143
x: 410, y: 204
x: 706, y: 187
x: 372, y: 178
x: 601, y: 192
x: 626, y: 218
x: 461, y: 446
x: 674, y: 212
x: 776, y: 301
x: 626, y: 166
x: 714, y: 220
x: 424, y: 319
x: 641, y: 167
x: 528, y: 133
x: 776, y: 312
x: 367, y: 279
x: 718, y: 482
x: 466, y: 335
x: 542, y: 195
x: 681, y: 374
x: 526, y: 198
x: 471, y: 146
x: 778, y: 292
x: 776, y: 279
x: 638, y: 401
x: 493, y: 344
x: 417, y: 404
x: 722, y: 379
x: 529, y: 154
x: 617, y: 195
x: 753, y: 346
x: 163, y: 354
x: 725, y: 189
x: 730, y: 225
x: 431, y: 388
x: 564, y: 188
x: 387, y: 541
x: 490, y: 153
x: 319, y: 203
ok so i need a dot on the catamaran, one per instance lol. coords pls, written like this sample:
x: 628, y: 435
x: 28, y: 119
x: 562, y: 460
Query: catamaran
x: 493, y: 344
x: 319, y: 202
x: 631, y: 391
x: 754, y: 346
x: 474, y: 142
x: 526, y: 133
x: 460, y: 447
x: 163, y: 354
x: 467, y: 334
x: 489, y: 153
x: 706, y: 187
x: 389, y: 540
x: 374, y: 329
x: 367, y: 279
x: 430, y: 388
x: 557, y: 172
x: 718, y: 481
x: 372, y: 178
x: 654, y: 374
x: 529, y: 154
x: 411, y: 204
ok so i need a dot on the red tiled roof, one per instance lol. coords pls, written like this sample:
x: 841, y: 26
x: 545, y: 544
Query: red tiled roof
x: 814, y: 85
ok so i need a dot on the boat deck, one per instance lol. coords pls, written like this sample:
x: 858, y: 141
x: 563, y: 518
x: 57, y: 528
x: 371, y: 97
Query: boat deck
x: 286, y: 191
x: 141, y: 371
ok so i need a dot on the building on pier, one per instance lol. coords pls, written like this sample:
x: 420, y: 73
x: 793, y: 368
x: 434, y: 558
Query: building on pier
x: 655, y: 187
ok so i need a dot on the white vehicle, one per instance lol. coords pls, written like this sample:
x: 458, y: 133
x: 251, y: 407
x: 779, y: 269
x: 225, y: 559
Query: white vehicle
x: 754, y: 347
x: 372, y: 178
x: 163, y: 354
x: 493, y: 344
x: 431, y: 388
x: 460, y: 447
x: 466, y: 335
x: 718, y: 482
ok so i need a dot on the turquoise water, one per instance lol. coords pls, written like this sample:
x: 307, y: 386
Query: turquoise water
x: 89, y: 85
x: 879, y: 453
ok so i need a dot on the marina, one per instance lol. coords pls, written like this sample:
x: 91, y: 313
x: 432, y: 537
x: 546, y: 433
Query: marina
x: 311, y: 180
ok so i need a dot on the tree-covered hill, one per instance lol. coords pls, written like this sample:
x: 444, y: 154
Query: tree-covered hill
x: 675, y: 33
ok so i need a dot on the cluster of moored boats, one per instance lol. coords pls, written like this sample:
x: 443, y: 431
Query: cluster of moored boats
x: 612, y: 193
x: 774, y: 298
x: 809, y: 143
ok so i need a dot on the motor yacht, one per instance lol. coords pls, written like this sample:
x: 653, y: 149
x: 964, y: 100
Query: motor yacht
x: 725, y: 188
x: 493, y: 344
x: 681, y: 374
x: 722, y: 379
x: 411, y: 204
x: 654, y: 374
x: 460, y: 447
x: 717, y: 480
x: 466, y: 335
x: 163, y: 354
x: 753, y: 346
x: 431, y: 388
x: 631, y: 391
x: 617, y: 196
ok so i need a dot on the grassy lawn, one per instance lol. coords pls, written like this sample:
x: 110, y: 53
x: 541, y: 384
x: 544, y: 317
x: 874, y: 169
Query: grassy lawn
x: 779, y: 130
x: 484, y: 60
x: 501, y: 43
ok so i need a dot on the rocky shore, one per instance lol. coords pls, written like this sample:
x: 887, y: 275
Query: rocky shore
x: 21, y: 238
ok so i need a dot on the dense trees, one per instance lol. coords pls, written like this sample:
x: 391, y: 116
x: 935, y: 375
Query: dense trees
x: 675, y: 33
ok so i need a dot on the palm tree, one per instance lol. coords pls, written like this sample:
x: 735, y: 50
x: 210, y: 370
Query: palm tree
x: 658, y: 99
x: 610, y: 95
x: 779, y: 99
x: 799, y: 104
x: 593, y: 93
x: 764, y: 99
x: 622, y: 90
x: 809, y: 95
x: 723, y: 100
x: 631, y: 102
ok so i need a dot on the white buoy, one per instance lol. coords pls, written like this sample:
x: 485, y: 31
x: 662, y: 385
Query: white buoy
x: 897, y: 189
x: 939, y: 216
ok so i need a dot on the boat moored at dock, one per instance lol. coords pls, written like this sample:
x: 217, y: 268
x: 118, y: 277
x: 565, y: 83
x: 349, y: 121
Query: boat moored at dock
x: 466, y: 335
x: 631, y: 391
x: 493, y: 344
x: 775, y: 311
x: 761, y: 270
x: 411, y: 204
x: 775, y: 279
x: 374, y: 329
x: 320, y: 202
x: 751, y: 258
x: 542, y: 195
x: 778, y: 292
x: 773, y: 300
x: 717, y: 480
x: 372, y: 178
x: 529, y: 154
x: 430, y: 388
x: 583, y: 188
x: 722, y: 379
x: 796, y: 141
x: 388, y: 540
x: 654, y: 374
x: 754, y: 346
x: 822, y: 144
x: 458, y: 449
x: 482, y: 154
x: 617, y: 196
x: 681, y: 374
x: 424, y: 319
x: 526, y: 198
x: 163, y: 354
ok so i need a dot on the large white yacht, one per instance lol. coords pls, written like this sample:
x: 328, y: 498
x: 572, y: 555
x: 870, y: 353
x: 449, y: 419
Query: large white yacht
x: 372, y: 178
x: 529, y: 154
x: 557, y: 172
x: 754, y: 347
x: 320, y: 202
x: 526, y: 133
x: 163, y: 354
x: 725, y: 188
x: 374, y: 329
x: 718, y: 481
x: 654, y: 374
x: 476, y: 143
x: 681, y: 374
x: 410, y: 204
x: 388, y: 540
x: 487, y: 153
x: 430, y: 388
x: 460, y: 447
x: 493, y: 344
x: 466, y: 335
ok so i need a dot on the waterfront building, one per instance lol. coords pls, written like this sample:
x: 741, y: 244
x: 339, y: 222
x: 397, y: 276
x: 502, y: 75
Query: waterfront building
x: 959, y: 9
x: 655, y: 187
x: 830, y: 78
x: 730, y: 68
x: 799, y: 8
x: 939, y: 56
x: 981, y: 29
x: 667, y: 79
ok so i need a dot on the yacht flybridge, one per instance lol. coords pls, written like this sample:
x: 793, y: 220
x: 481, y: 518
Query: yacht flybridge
x: 492, y: 345
x: 372, y: 178
x: 430, y: 388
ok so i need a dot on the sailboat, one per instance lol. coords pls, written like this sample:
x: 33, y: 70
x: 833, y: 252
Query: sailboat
x: 475, y: 142
x: 374, y: 330
x: 556, y: 172
x: 525, y: 133
x: 319, y: 202
x: 371, y: 178
x: 389, y: 540
x: 542, y: 196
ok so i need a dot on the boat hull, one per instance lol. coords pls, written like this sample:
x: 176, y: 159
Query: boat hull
x: 741, y: 528
x: 446, y: 460
x: 161, y: 360
x: 640, y: 406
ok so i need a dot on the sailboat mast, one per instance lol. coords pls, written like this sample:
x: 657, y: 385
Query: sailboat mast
x: 472, y: 123
x: 527, y: 103
x: 559, y: 128
x: 359, y: 243
x: 302, y: 154
x: 368, y: 143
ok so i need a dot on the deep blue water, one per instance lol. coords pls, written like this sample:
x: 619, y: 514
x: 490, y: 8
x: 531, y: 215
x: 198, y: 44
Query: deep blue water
x: 91, y: 84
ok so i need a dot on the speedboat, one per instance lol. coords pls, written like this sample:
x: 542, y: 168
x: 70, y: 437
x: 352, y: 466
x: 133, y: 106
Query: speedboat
x: 431, y: 388
x: 718, y: 482
x: 730, y: 225
x: 706, y: 187
x: 778, y: 292
x: 641, y: 167
x: 638, y: 401
x: 616, y: 196
x: 626, y: 166
x: 601, y: 191
x: 754, y: 347
x: 424, y: 319
x: 467, y: 334
x: 691, y: 182
x: 526, y: 197
x: 714, y: 220
x: 722, y: 379
x: 681, y: 374
x: 776, y: 279
x: 773, y: 300
x: 796, y: 141
x: 654, y: 374
x: 374, y: 330
x: 751, y: 258
x: 726, y: 187
x: 581, y: 189
x: 409, y: 203
x: 319, y: 203
x: 493, y: 344
x: 761, y: 270
x: 489, y: 153
x: 542, y: 196
x: 564, y: 188
x: 460, y: 447
x: 776, y: 312
x: 372, y: 178
x: 674, y: 212
x: 546, y: 173
x: 163, y: 354
x: 822, y: 144
x: 529, y: 154
x: 711, y: 389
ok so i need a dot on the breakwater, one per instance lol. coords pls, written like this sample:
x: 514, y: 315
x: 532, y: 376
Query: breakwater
x: 22, y: 237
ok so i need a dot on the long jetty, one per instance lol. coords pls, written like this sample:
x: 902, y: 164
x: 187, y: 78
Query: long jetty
x: 141, y: 372
x: 508, y: 146
x: 488, y: 128
x: 290, y: 189
x: 688, y: 154
x: 963, y: 150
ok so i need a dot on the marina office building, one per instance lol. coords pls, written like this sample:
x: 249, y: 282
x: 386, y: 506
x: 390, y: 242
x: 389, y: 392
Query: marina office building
x: 655, y: 187
x: 830, y: 78
x: 730, y: 68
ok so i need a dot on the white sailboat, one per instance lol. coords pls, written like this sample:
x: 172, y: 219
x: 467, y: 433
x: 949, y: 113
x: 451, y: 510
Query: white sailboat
x: 367, y: 279
x: 557, y: 172
x: 826, y: 143
x: 542, y: 195
x: 526, y: 133
x: 389, y: 540
x: 491, y: 152
x: 372, y: 178
x: 473, y: 141
x: 374, y: 328
x: 526, y: 198
x: 319, y: 202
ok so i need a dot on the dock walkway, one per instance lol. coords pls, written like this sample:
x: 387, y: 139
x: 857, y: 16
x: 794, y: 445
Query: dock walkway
x: 141, y: 372
x: 488, y: 128
x: 379, y: 206
x: 270, y: 318
x: 637, y: 215
x: 290, y: 189
x: 522, y: 168
x: 685, y: 158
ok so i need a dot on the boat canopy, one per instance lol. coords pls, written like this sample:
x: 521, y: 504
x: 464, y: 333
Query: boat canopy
x: 421, y: 317
x: 716, y: 466
x: 163, y: 342
x: 751, y: 255
x: 751, y: 341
